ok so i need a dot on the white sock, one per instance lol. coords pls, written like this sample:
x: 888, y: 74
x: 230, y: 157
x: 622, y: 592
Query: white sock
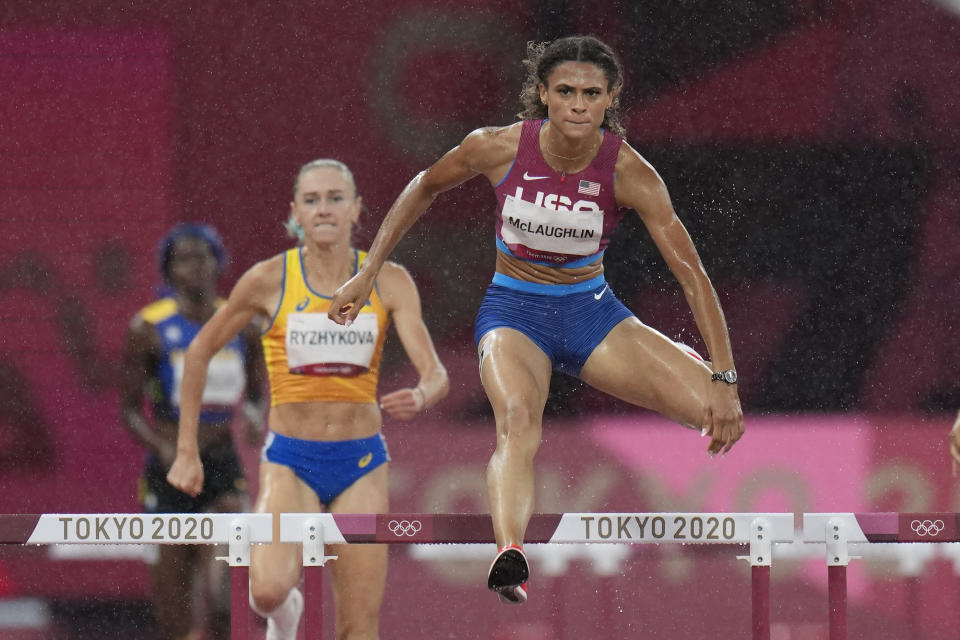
x: 286, y: 617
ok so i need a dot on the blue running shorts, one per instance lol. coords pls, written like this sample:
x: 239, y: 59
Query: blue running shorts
x: 327, y: 467
x: 567, y: 322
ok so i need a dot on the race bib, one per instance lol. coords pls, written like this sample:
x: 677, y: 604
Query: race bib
x: 570, y: 232
x: 316, y: 345
x: 226, y: 378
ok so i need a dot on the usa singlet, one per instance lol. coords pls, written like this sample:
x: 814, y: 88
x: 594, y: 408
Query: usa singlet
x: 552, y: 218
x: 226, y: 377
x: 309, y: 357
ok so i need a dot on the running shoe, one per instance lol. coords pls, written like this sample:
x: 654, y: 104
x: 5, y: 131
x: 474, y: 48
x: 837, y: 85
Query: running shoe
x: 508, y: 575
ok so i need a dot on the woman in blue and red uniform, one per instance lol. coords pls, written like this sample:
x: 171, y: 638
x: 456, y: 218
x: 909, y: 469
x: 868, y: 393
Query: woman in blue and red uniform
x: 191, y: 258
x: 563, y: 177
x: 324, y: 451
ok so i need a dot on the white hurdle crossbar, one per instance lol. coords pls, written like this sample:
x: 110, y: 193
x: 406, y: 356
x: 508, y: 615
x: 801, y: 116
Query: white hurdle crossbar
x: 236, y: 530
x: 316, y: 530
x: 758, y: 530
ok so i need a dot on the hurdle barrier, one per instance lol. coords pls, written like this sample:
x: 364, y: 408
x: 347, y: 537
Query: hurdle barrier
x: 314, y: 531
x: 758, y: 530
x: 838, y: 530
x: 236, y: 530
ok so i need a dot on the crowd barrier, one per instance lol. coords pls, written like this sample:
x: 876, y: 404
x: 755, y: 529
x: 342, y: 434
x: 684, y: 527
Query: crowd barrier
x: 759, y: 531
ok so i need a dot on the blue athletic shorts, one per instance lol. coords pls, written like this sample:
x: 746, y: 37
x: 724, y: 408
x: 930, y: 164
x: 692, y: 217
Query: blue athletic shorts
x: 327, y: 467
x: 567, y: 327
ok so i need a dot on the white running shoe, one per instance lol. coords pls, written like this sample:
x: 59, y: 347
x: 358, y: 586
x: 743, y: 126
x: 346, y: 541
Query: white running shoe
x: 284, y: 625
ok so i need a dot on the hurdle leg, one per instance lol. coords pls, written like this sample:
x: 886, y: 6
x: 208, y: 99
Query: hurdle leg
x: 239, y: 561
x: 313, y: 561
x: 239, y: 603
x: 760, y: 558
x: 760, y: 597
x: 838, y: 557
x: 837, y: 599
x: 313, y: 601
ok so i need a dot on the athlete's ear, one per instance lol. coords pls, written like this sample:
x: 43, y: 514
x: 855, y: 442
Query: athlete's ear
x: 543, y: 92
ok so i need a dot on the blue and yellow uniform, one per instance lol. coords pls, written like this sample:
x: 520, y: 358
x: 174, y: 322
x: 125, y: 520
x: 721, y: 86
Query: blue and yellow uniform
x: 226, y: 381
x: 310, y: 358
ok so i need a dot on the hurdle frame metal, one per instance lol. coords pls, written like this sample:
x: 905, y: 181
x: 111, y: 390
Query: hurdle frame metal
x: 758, y: 530
x: 236, y: 530
x: 313, y: 531
x: 838, y: 530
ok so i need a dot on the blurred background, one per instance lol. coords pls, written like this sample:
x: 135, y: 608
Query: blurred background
x: 811, y: 147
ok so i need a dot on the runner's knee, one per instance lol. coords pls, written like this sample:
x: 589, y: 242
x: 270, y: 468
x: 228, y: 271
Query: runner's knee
x: 267, y: 595
x: 520, y: 427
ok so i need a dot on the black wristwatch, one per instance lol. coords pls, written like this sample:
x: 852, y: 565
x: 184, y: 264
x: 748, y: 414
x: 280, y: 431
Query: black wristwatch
x: 729, y: 376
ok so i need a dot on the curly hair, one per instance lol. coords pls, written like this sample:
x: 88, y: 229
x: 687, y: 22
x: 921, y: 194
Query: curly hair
x: 543, y: 57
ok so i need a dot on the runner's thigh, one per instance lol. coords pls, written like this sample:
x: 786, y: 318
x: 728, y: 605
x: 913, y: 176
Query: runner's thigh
x: 642, y: 366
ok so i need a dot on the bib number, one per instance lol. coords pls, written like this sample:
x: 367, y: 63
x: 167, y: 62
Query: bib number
x: 568, y: 232
x: 318, y: 346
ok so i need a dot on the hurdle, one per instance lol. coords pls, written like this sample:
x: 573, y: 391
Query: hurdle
x: 838, y: 530
x: 758, y: 530
x: 316, y: 530
x: 237, y: 530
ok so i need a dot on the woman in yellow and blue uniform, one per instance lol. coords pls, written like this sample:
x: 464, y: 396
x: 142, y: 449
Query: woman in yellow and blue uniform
x: 191, y: 257
x: 324, y: 449
x: 310, y: 359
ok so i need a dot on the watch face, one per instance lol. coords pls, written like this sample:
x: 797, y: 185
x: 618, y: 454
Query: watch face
x: 730, y: 376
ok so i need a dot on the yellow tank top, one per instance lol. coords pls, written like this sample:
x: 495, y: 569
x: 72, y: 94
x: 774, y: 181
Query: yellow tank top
x: 309, y: 357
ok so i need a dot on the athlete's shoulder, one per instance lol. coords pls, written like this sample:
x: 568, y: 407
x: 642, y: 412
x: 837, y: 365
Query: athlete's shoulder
x: 158, y: 311
x: 638, y: 185
x: 494, y: 139
x: 631, y: 164
x: 393, y: 274
x: 261, y: 284
x: 267, y: 271
x: 496, y: 134
x: 488, y: 148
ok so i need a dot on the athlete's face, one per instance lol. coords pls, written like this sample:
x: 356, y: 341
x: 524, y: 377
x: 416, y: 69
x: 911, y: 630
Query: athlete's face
x: 577, y: 96
x: 193, y: 267
x: 326, y: 206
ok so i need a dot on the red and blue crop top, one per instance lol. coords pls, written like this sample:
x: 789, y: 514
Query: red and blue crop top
x: 552, y: 218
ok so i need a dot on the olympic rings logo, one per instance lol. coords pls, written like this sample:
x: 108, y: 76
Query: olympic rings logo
x: 927, y: 527
x: 402, y: 528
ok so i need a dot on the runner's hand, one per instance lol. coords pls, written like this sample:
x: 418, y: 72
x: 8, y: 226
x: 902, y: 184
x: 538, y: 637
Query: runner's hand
x: 403, y: 404
x: 186, y: 474
x: 349, y: 299
x: 724, y: 419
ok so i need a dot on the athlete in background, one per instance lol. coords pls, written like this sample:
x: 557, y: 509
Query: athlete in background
x: 191, y: 258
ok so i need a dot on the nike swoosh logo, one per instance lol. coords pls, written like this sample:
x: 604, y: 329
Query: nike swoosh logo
x: 365, y: 460
x: 303, y: 304
x: 597, y: 296
x: 527, y: 176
